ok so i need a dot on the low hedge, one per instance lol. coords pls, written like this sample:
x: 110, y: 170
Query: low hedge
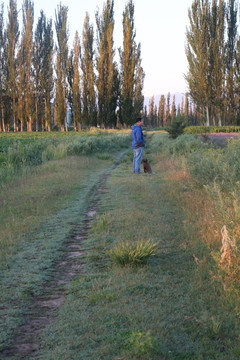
x: 211, y: 129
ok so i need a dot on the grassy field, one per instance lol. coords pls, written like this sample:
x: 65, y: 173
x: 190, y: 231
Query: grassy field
x: 180, y: 304
x: 40, y: 203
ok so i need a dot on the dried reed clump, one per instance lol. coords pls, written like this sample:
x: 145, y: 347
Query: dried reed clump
x: 227, y: 248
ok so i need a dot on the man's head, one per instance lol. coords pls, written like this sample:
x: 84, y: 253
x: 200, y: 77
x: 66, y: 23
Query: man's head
x: 139, y: 121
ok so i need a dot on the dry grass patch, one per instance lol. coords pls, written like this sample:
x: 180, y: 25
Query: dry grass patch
x: 206, y: 210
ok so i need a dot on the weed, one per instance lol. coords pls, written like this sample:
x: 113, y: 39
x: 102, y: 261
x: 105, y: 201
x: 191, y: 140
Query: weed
x: 140, y: 343
x: 129, y: 254
x: 101, y: 223
x: 104, y: 156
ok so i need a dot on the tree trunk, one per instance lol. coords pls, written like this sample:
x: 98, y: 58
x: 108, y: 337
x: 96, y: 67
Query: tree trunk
x: 207, y: 114
x: 36, y: 107
x: 66, y: 124
x: 2, y: 121
x: 30, y: 125
x: 219, y: 119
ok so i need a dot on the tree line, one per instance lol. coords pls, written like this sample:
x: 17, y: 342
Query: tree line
x: 163, y: 114
x: 41, y: 79
x: 213, y: 54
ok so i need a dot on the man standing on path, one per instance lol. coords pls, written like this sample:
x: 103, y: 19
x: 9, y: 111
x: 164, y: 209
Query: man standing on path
x: 138, y: 145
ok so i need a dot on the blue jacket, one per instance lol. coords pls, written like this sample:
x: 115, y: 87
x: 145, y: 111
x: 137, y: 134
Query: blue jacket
x: 137, y: 137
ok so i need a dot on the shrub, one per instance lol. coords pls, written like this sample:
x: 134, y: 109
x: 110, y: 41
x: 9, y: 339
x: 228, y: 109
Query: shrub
x: 176, y: 128
x: 141, y: 343
x: 133, y: 254
x: 210, y: 129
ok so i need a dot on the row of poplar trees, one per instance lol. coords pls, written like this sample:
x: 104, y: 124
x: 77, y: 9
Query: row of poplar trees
x: 41, y: 79
x: 167, y: 111
x: 213, y: 54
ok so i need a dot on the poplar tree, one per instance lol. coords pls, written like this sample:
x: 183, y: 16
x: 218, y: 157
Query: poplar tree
x: 11, y: 46
x: 182, y: 107
x: 132, y: 75
x: 2, y: 71
x: 20, y: 85
x: 230, y: 58
x: 198, y: 52
x: 168, y: 115
x: 128, y: 63
x: 76, y: 84
x: 155, y: 116
x: 69, y: 88
x: 62, y: 59
x: 161, y: 111
x: 217, y: 59
x: 60, y: 106
x: 46, y: 75
x: 37, y: 64
x: 151, y: 112
x: 89, y: 111
x: 138, y: 84
x: 186, y: 108
x: 173, y: 108
x: 27, y: 44
x: 108, y: 77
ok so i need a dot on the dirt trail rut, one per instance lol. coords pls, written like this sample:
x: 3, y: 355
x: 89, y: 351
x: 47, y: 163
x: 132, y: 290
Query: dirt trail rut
x: 44, y: 308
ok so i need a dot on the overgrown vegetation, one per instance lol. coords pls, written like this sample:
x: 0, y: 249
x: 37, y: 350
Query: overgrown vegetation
x: 21, y: 151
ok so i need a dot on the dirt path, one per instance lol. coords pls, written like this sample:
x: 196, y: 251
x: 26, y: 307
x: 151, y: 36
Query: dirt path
x: 44, y: 308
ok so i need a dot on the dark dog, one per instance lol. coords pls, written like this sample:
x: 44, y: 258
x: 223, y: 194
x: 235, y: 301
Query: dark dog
x: 146, y: 166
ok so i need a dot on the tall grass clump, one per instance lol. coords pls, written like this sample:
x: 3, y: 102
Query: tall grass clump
x: 133, y: 254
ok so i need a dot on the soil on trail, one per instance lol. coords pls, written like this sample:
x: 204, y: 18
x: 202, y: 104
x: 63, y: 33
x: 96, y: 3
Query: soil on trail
x: 44, y: 308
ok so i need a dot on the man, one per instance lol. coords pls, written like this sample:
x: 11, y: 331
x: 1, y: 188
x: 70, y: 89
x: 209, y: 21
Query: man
x: 138, y: 145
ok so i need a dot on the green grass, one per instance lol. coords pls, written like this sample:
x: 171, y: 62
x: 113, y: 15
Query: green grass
x: 35, y: 221
x: 132, y: 254
x: 179, y: 305
x: 21, y: 151
x: 171, y: 308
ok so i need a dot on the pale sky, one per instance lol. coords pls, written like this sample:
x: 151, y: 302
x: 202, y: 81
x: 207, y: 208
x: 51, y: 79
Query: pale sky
x: 160, y: 28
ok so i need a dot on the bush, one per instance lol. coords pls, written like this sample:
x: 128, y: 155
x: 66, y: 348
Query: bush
x: 176, y: 128
x: 211, y: 129
x: 128, y: 254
